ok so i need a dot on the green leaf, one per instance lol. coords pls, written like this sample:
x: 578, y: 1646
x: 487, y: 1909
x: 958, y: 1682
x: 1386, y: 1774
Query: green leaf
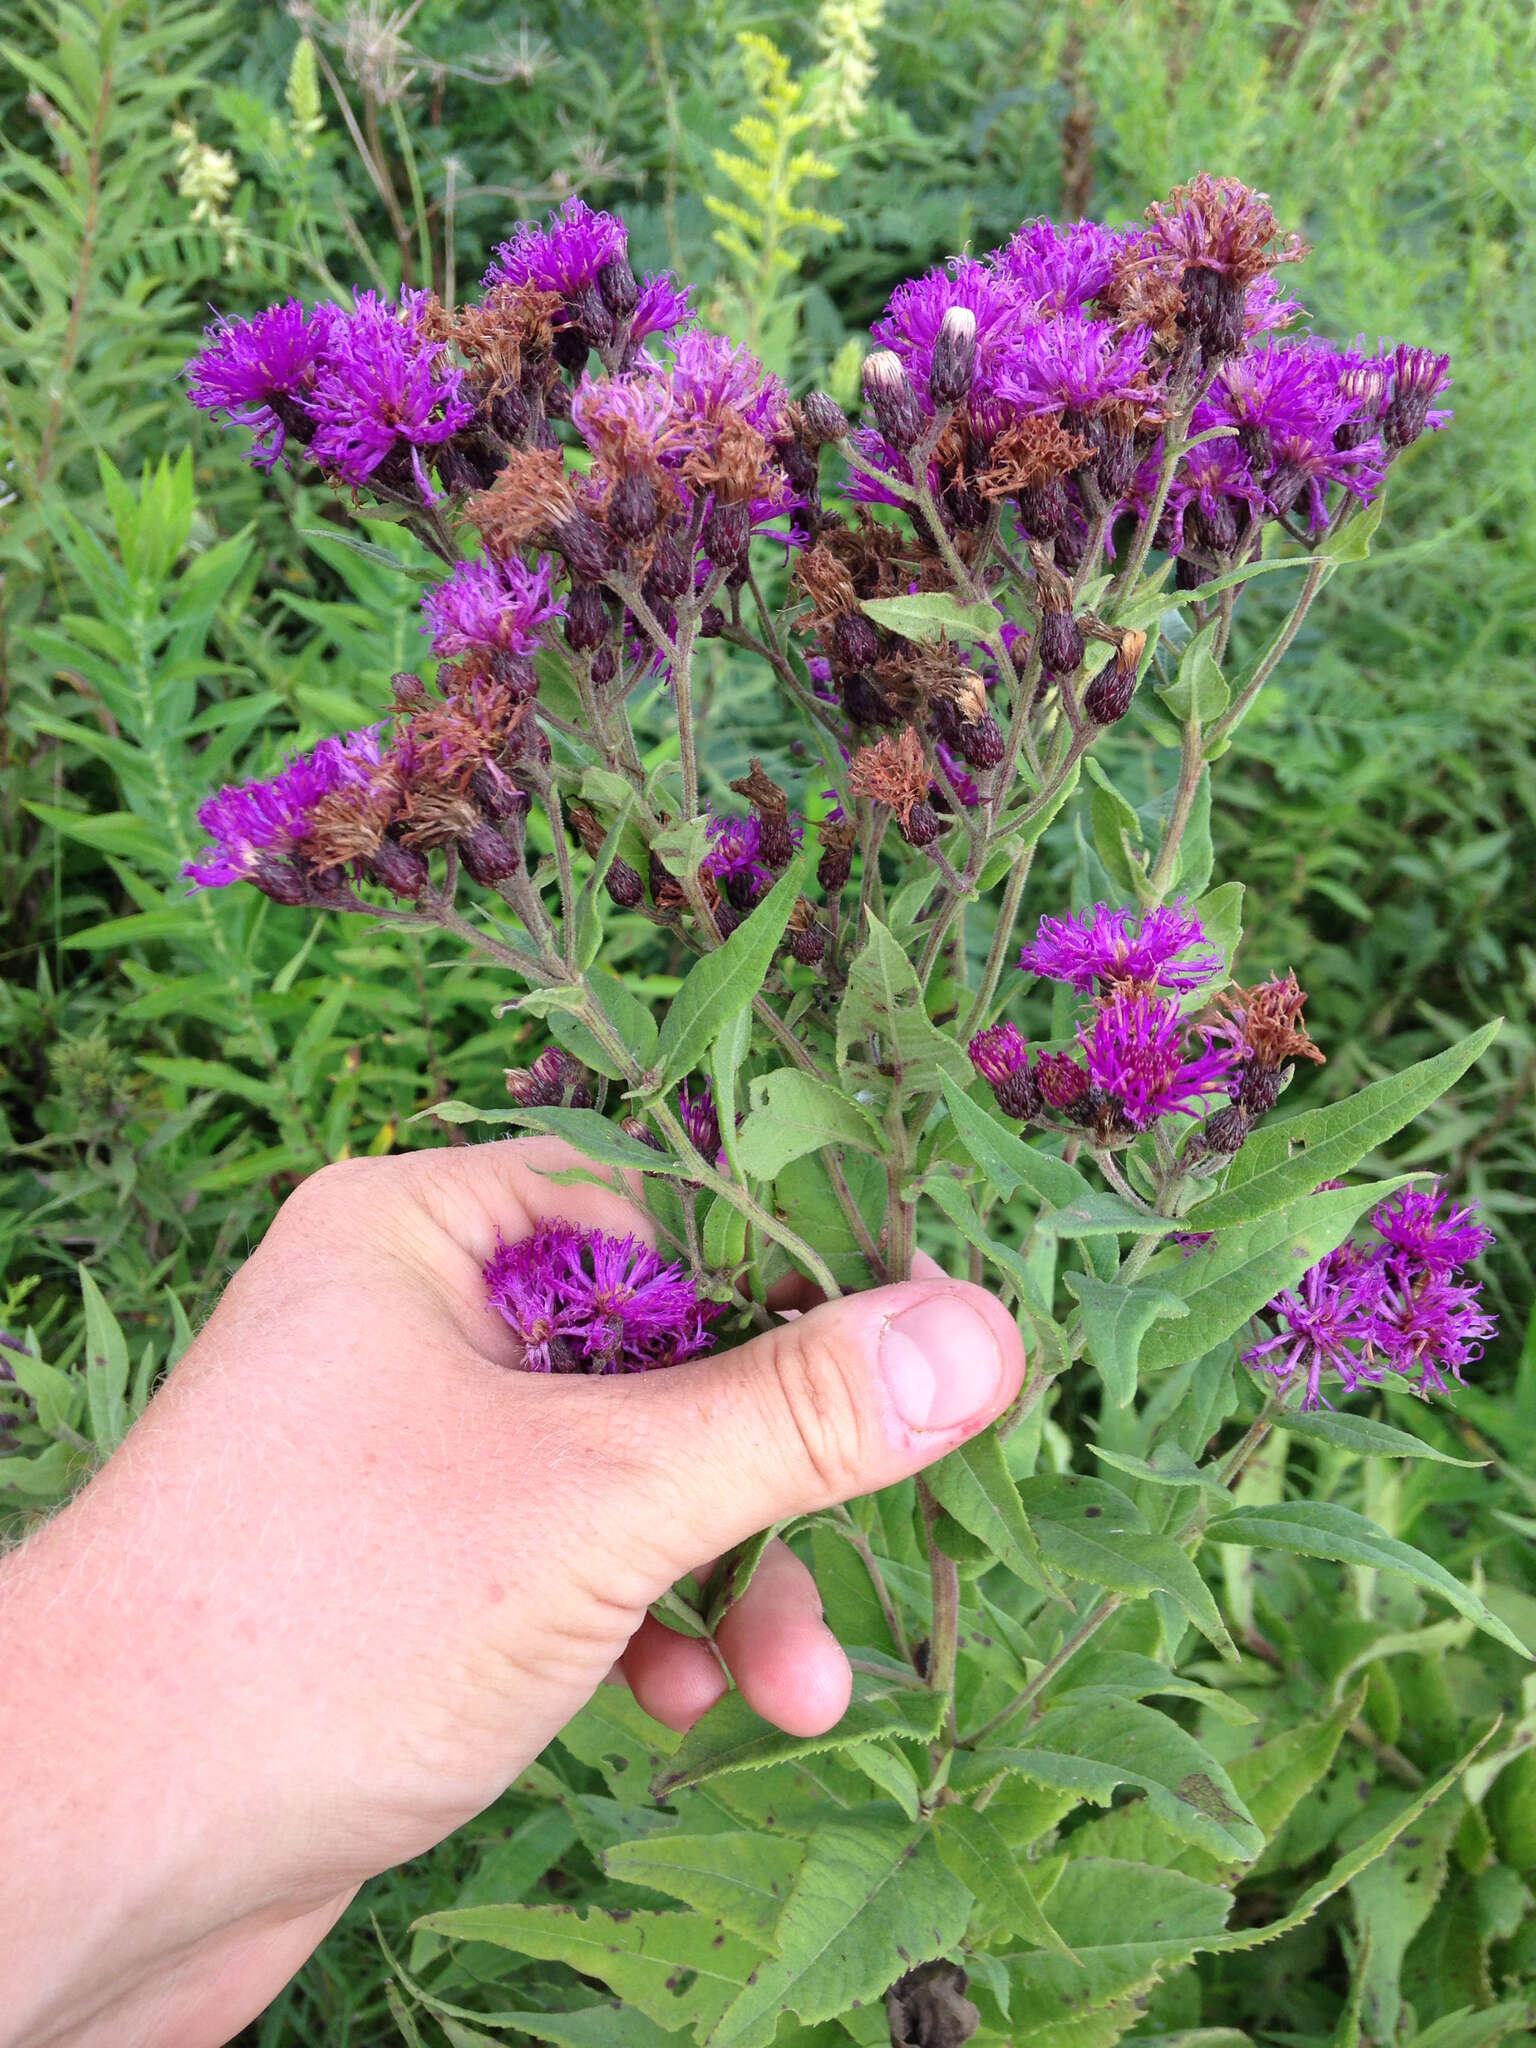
x: 927, y: 614
x: 724, y: 1237
x: 730, y: 1048
x: 1199, y: 690
x: 1366, y: 1437
x: 794, y: 1113
x: 594, y: 2026
x: 591, y: 1133
x: 1094, y: 1753
x: 948, y: 1195
x: 1134, y: 1562
x: 1122, y: 1674
x: 1006, y: 1161
x: 976, y: 1850
x: 730, y: 1737
x: 723, y: 983
x: 631, y: 1021
x: 1350, y: 540
x: 1226, y: 1282
x: 1115, y: 1319
x: 114, y: 832
x: 1270, y: 1170
x: 872, y: 1896
x: 732, y: 1576
x: 884, y: 1003
x: 640, y: 1956
x: 614, y: 1735
x: 887, y: 1768
x: 106, y: 1368
x: 1168, y: 1464
x: 588, y: 914
x: 742, y: 1879
x: 975, y: 1486
x: 1312, y: 1528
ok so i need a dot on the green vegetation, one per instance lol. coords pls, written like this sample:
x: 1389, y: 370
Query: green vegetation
x: 171, y: 1066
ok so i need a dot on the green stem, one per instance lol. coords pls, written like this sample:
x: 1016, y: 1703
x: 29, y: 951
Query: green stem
x: 1237, y: 710
x: 1191, y: 762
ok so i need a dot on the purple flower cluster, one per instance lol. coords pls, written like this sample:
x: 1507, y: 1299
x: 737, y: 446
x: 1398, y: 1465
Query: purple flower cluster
x: 1395, y: 1305
x: 582, y: 258
x: 1136, y: 1060
x: 492, y: 606
x: 254, y: 826
x: 583, y: 1300
x: 368, y: 390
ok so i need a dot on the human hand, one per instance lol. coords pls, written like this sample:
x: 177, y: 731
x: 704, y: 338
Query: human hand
x: 353, y: 1571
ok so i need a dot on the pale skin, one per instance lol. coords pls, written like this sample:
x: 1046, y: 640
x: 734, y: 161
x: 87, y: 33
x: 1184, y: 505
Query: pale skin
x: 353, y: 1570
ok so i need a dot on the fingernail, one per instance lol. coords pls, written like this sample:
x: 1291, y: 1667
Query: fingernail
x: 941, y: 1363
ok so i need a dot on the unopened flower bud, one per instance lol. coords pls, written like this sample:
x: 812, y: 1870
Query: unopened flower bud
x: 586, y: 547
x: 822, y: 418
x: 620, y: 293
x: 605, y: 665
x: 1108, y: 697
x: 727, y: 535
x: 854, y: 641
x: 1043, y: 509
x: 634, y: 1127
x: 633, y: 508
x: 669, y: 574
x: 279, y: 876
x: 863, y: 702
x: 980, y: 741
x: 727, y: 919
x: 487, y: 857
x: 892, y: 400
x: 557, y: 403
x: 587, y: 621
x: 954, y: 357
x: 571, y: 349
x: 1259, y: 1086
x: 1061, y: 643
x: 920, y: 827
x: 799, y: 466
x: 407, y: 688
x: 595, y: 318
x: 810, y: 945
x: 624, y: 886
x: 711, y: 622
x: 1227, y: 1130
x: 457, y: 470
x: 1214, y: 526
x: 1018, y: 1095
x: 399, y: 869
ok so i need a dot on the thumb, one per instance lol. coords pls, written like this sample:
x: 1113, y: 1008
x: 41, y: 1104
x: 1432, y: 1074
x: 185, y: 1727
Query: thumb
x: 850, y: 1397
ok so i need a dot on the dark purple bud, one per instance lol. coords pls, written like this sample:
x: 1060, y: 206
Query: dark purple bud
x: 596, y: 320
x: 495, y: 795
x: 487, y: 857
x: 834, y: 868
x: 892, y: 400
x: 605, y: 665
x: 1214, y: 526
x: 280, y: 877
x: 1018, y: 1095
x: 633, y: 509
x: 711, y: 622
x: 1108, y: 697
x: 727, y: 536
x: 954, y: 357
x: 669, y: 574
x: 1227, y: 1130
x: 557, y: 406
x: 855, y: 642
x: 399, y: 869
x: 633, y: 1127
x: 408, y: 688
x: 809, y: 946
x: 457, y: 471
x: 1188, y: 574
x: 588, y: 622
x: 980, y: 741
x: 624, y: 886
x: 778, y: 843
x: 966, y: 507
x: 510, y: 414
x: 1259, y: 1086
x: 727, y: 919
x: 586, y: 547
x: 823, y: 418
x: 800, y: 466
x: 571, y: 351
x: 1061, y: 643
x: 616, y: 282
x: 743, y: 891
x: 1213, y: 310
x: 1043, y: 510
x: 1115, y: 458
x: 920, y: 827
x: 863, y: 703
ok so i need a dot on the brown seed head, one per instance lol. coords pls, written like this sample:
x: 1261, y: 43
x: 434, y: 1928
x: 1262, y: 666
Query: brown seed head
x: 762, y: 792
x: 1265, y: 1022
x: 1029, y: 454
x: 894, y: 771
x: 530, y: 499
x: 734, y: 466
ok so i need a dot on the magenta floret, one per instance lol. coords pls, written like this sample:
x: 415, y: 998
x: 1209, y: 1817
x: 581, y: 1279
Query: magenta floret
x: 584, y: 1300
x: 1112, y: 947
x: 500, y: 606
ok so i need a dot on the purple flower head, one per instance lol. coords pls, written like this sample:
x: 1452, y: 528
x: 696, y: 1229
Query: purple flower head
x: 1111, y: 948
x: 1426, y: 1327
x: 911, y: 321
x: 998, y: 1052
x: 700, y: 1119
x: 1418, y: 376
x: 955, y: 781
x: 711, y: 376
x: 584, y: 1300
x: 735, y: 857
x: 500, y: 606
x: 258, y: 371
x: 631, y: 421
x: 1213, y: 496
x: 1425, y: 1232
x: 384, y: 388
x: 1059, y: 269
x: 1286, y: 403
x: 1074, y: 364
x: 1134, y: 1052
x: 1267, y: 309
x: 563, y: 255
x: 1327, y: 1324
x: 663, y: 304
x: 248, y: 820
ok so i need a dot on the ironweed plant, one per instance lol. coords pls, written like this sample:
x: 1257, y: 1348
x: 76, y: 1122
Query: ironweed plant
x: 1079, y: 452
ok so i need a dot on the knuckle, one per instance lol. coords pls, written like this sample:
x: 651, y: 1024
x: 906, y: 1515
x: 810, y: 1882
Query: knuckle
x: 820, y: 1390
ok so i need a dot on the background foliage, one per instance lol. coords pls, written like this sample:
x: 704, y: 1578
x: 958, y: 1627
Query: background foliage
x: 170, y: 1066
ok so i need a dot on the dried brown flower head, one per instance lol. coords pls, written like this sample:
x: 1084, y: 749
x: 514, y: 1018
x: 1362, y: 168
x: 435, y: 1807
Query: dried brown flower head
x: 762, y: 792
x: 1031, y: 452
x: 894, y: 771
x: 826, y: 582
x: 734, y: 465
x: 514, y: 322
x: 1265, y: 1022
x: 1221, y: 224
x: 529, y: 501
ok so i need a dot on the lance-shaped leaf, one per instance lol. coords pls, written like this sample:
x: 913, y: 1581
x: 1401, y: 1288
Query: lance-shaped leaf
x: 1115, y: 1319
x: 977, y: 1851
x: 1366, y: 1437
x: 1313, y: 1528
x: 741, y: 1878
x: 593, y: 1135
x: 640, y: 1956
x: 730, y: 1737
x: 947, y: 1194
x: 928, y: 613
x: 1094, y: 1752
x: 794, y: 1113
x: 883, y: 1027
x: 1132, y: 1562
x: 724, y: 982
x: 872, y: 1897
x: 1004, y: 1158
x: 1285, y: 1159
x: 974, y: 1484
x: 1226, y: 1282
